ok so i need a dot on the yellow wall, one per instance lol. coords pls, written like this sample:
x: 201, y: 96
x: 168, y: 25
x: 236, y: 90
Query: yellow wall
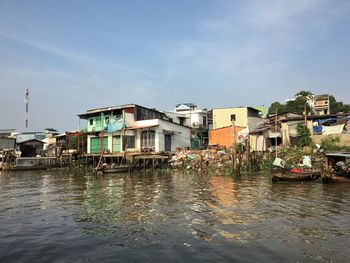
x: 222, y: 117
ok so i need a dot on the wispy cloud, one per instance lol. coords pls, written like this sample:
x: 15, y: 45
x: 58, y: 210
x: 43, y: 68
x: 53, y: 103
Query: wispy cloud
x: 77, y: 57
x: 255, y: 43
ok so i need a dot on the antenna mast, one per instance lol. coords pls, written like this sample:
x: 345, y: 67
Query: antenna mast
x: 26, y: 101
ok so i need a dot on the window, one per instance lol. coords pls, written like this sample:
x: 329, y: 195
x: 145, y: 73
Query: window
x: 204, y: 120
x: 128, y: 142
x: 182, y: 120
x: 148, y: 141
x: 91, y: 121
x: 233, y: 117
x: 107, y: 120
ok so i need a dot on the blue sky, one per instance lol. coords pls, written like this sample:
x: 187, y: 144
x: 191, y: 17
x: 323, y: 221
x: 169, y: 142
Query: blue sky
x: 76, y: 55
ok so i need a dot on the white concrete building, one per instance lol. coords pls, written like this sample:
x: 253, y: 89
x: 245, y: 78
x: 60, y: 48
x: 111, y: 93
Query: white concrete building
x: 133, y: 128
x: 188, y: 114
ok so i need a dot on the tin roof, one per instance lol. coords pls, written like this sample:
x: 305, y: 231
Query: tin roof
x: 339, y: 154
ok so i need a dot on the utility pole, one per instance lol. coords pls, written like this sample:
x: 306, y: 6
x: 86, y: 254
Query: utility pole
x: 26, y: 101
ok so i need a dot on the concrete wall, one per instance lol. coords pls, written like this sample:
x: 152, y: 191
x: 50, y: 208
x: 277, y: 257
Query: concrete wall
x: 180, y: 135
x: 254, y: 122
x: 129, y: 119
x: 223, y: 136
x: 222, y: 117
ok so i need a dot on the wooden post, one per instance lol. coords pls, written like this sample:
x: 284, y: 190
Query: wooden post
x: 201, y: 165
x: 247, y: 150
x: 233, y: 146
x: 276, y: 133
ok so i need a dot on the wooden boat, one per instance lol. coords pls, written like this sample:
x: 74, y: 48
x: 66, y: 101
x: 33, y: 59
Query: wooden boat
x: 283, y: 175
x: 333, y: 173
x: 117, y: 169
x: 31, y: 163
x: 331, y: 177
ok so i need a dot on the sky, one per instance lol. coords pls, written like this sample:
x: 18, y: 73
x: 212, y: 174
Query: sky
x: 77, y: 55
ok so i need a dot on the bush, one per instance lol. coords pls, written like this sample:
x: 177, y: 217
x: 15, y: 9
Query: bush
x: 330, y: 143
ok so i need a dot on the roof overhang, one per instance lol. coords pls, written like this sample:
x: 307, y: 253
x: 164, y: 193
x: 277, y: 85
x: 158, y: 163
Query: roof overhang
x: 142, y: 127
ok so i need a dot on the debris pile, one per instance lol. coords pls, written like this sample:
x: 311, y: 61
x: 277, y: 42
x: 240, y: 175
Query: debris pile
x: 200, y: 160
x: 296, y: 157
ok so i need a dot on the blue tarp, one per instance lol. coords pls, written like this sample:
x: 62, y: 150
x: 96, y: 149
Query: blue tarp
x: 321, y: 121
x: 115, y: 125
x: 317, y: 129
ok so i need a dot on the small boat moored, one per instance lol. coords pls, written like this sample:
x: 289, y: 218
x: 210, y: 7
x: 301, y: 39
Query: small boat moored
x: 33, y: 163
x: 295, y: 175
x: 116, y: 169
x: 337, y: 168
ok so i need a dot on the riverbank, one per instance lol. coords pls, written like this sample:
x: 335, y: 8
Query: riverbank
x: 228, y: 161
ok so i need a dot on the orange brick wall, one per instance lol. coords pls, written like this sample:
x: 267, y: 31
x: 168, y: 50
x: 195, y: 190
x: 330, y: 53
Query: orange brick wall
x: 223, y: 136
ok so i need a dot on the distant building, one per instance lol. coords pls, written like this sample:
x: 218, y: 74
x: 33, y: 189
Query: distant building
x: 246, y: 117
x: 7, y: 141
x: 198, y: 119
x: 27, y: 136
x: 233, y: 125
x: 132, y: 127
x: 188, y: 114
x: 7, y: 133
x: 31, y: 148
x: 321, y: 106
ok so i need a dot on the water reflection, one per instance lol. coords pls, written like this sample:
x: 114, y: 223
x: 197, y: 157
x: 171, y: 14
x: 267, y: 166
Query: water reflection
x: 186, y: 216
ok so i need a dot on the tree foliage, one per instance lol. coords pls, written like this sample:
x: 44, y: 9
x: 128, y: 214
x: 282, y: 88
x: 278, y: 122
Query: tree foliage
x: 276, y: 106
x: 295, y: 106
x: 304, y: 135
x: 337, y: 106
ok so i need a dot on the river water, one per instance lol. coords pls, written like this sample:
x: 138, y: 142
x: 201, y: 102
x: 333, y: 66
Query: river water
x: 173, y: 217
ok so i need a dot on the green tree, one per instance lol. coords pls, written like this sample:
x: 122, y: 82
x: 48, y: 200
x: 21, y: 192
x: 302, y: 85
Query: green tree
x: 305, y: 94
x: 276, y: 105
x: 298, y: 105
x: 304, y: 135
x: 336, y: 107
x: 295, y: 106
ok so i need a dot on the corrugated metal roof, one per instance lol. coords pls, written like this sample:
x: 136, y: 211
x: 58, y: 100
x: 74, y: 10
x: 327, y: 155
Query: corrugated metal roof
x: 339, y: 154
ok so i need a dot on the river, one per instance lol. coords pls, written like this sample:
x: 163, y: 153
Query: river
x: 170, y: 216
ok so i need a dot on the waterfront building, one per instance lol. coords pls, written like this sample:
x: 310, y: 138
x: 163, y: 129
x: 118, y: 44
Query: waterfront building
x: 133, y: 128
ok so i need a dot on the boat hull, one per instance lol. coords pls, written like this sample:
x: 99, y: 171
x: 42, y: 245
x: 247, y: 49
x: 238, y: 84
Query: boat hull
x: 30, y: 168
x: 121, y: 169
x: 329, y: 177
x: 288, y: 176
